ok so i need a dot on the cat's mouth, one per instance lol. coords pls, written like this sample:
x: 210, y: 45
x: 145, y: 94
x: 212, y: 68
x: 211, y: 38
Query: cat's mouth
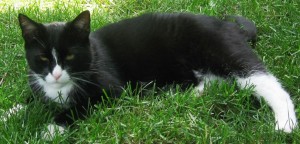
x: 58, y: 80
x: 58, y: 84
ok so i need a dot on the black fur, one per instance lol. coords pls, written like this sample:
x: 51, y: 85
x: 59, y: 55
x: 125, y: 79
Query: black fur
x: 248, y: 27
x: 164, y: 48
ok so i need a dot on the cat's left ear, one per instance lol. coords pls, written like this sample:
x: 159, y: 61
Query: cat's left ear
x: 82, y: 21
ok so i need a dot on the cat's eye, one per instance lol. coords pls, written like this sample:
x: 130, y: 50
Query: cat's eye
x: 43, y: 58
x: 70, y: 57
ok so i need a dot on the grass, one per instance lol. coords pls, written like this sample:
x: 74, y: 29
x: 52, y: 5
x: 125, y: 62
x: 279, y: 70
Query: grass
x: 222, y: 115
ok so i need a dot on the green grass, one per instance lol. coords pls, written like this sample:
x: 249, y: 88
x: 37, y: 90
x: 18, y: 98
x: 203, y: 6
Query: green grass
x: 223, y: 114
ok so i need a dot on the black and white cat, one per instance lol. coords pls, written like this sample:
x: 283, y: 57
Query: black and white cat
x: 76, y: 68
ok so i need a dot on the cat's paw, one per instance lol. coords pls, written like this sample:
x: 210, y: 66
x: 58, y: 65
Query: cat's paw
x: 52, y: 131
x: 199, y: 90
x: 286, y: 124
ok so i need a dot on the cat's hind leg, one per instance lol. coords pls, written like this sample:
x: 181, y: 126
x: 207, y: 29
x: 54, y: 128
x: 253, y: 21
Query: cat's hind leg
x: 268, y: 87
x: 205, y: 79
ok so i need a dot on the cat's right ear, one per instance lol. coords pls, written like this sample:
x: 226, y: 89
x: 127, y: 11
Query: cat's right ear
x: 29, y: 27
x: 82, y: 22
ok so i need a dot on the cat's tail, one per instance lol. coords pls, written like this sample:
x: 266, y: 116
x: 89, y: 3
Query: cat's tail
x: 247, y: 27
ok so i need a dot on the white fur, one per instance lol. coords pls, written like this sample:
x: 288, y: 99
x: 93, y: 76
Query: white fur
x: 267, y: 87
x: 54, y: 55
x: 52, y: 131
x: 205, y: 80
x: 57, y: 90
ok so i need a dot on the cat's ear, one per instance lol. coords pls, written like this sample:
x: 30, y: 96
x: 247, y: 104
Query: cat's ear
x: 82, y: 22
x: 29, y: 27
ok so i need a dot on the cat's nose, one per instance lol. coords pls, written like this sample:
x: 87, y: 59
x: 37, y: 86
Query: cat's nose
x: 57, y: 75
x: 57, y: 72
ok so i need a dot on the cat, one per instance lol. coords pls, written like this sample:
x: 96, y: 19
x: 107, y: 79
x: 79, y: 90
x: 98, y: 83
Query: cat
x: 77, y: 68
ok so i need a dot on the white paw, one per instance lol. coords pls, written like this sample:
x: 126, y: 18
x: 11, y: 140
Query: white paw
x: 268, y: 87
x: 52, y: 131
x: 205, y: 80
x: 285, y: 117
x: 286, y: 125
x: 199, y: 89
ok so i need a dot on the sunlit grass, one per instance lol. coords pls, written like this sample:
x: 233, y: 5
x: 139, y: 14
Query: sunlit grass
x: 223, y: 114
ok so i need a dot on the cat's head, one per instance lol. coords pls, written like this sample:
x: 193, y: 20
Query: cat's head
x: 57, y: 52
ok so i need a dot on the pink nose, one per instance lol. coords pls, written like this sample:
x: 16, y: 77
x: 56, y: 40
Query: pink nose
x: 57, y: 75
x: 57, y: 72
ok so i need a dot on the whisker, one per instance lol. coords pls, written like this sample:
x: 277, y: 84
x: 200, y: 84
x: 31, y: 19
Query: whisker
x: 89, y: 71
x: 79, y: 88
x: 35, y: 85
x: 86, y: 81
x: 84, y: 73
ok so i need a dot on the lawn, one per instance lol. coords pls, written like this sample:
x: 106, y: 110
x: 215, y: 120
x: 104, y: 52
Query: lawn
x: 224, y: 114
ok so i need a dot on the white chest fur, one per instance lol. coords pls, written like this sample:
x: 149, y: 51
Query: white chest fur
x: 57, y: 85
x: 59, y: 94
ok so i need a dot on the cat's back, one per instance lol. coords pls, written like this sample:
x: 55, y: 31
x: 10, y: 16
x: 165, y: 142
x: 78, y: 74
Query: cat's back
x: 154, y: 45
x: 149, y: 33
x: 154, y: 24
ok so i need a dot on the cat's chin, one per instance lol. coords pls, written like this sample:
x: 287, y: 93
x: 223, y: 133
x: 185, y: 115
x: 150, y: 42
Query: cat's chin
x: 58, y: 85
x: 58, y: 92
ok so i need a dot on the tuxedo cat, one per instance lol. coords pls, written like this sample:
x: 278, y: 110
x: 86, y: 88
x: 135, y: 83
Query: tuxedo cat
x: 76, y: 68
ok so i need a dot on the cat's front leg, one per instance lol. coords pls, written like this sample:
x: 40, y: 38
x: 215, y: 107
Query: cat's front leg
x: 267, y: 87
x: 63, y: 120
x: 52, y: 130
x: 58, y: 127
